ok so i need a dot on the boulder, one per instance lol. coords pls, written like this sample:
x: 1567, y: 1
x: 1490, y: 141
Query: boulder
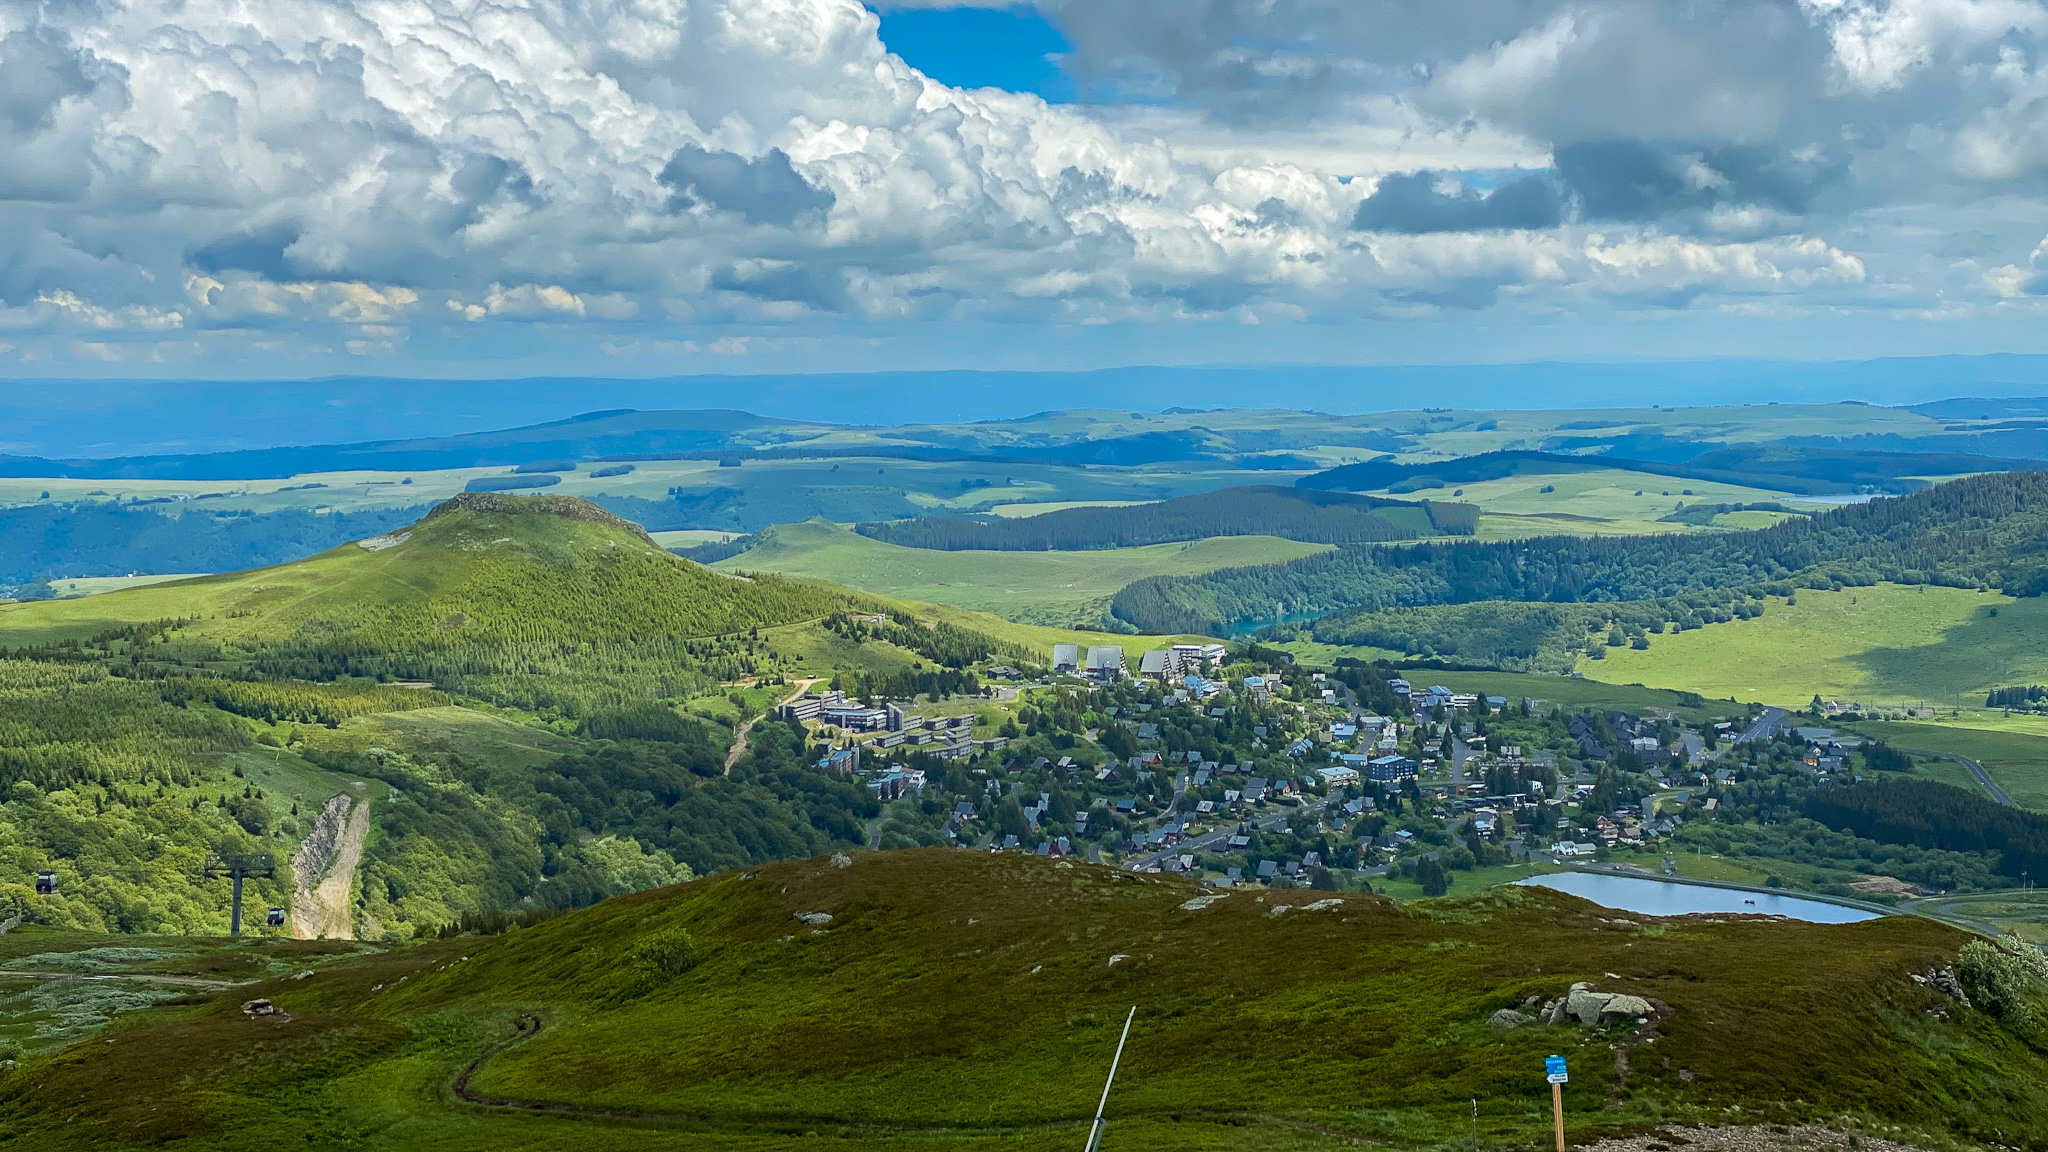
x: 1508, y: 1018
x: 258, y: 1008
x: 1622, y: 1009
x: 1585, y: 1006
x: 815, y: 919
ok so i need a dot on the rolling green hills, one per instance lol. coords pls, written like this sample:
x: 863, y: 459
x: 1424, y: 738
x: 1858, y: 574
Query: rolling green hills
x: 963, y: 1001
x: 1060, y: 589
x: 466, y: 677
x: 1983, y: 531
x: 545, y: 603
x: 1885, y: 645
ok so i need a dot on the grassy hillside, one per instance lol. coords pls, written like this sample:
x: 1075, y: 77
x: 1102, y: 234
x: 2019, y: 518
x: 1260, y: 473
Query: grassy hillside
x: 1595, y: 492
x: 990, y: 996
x: 1046, y: 588
x: 542, y: 603
x: 1882, y: 645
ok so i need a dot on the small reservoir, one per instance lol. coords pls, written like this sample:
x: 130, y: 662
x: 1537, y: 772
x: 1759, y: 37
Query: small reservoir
x: 1652, y: 897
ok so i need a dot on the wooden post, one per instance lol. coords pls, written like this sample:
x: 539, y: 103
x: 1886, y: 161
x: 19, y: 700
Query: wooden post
x: 1557, y: 1110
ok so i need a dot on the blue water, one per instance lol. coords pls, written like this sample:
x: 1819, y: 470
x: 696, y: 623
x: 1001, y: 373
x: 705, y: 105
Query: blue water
x: 1659, y: 898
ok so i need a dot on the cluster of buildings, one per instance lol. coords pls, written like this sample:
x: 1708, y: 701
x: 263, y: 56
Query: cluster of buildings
x: 1105, y: 662
x: 835, y: 709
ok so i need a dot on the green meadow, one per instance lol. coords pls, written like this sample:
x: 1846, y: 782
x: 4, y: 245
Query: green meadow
x: 1597, y: 493
x: 1047, y: 588
x: 1887, y: 645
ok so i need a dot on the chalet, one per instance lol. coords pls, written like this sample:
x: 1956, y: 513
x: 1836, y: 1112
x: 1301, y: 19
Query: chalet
x: 1156, y: 664
x: 1066, y: 657
x: 1255, y: 790
x: 1105, y: 662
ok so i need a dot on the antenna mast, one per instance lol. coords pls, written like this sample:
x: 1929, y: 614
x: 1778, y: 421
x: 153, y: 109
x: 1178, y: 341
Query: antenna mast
x: 1095, y: 1129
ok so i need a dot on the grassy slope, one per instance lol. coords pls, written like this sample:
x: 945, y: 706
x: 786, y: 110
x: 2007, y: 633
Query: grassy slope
x: 1882, y: 645
x: 1568, y: 693
x: 964, y: 1001
x: 1051, y: 588
x: 504, y: 569
x: 2019, y: 762
x: 1601, y: 493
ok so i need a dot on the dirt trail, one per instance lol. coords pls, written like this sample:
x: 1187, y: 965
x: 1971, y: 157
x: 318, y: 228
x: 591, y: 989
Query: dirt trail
x: 325, y: 865
x: 739, y: 734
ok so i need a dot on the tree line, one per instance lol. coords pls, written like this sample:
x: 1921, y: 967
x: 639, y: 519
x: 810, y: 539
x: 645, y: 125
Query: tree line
x: 1984, y: 531
x: 1925, y: 814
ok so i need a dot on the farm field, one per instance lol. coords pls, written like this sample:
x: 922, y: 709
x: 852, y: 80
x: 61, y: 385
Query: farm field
x: 1048, y: 588
x: 1566, y: 692
x: 94, y: 585
x: 690, y: 537
x: 1019, y: 511
x: 2018, y: 761
x: 1599, y: 493
x: 1886, y: 645
x: 1507, y: 526
x: 863, y: 487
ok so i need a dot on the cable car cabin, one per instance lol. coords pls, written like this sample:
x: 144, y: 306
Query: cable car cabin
x: 46, y: 883
x: 276, y: 919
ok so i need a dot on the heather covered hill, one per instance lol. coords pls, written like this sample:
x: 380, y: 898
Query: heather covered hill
x: 952, y: 1000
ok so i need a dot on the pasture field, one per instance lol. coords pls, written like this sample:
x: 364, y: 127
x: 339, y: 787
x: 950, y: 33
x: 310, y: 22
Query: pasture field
x: 1048, y: 588
x: 1598, y: 493
x: 1571, y: 694
x: 867, y: 487
x: 1886, y: 645
x: 2017, y: 760
x: 1505, y: 526
x: 94, y: 585
x: 691, y: 537
x: 1019, y: 511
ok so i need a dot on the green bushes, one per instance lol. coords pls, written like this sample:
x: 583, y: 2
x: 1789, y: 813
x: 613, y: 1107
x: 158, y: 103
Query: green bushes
x: 2002, y: 978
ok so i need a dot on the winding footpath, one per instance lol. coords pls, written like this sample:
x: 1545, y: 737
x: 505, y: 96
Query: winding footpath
x: 739, y: 734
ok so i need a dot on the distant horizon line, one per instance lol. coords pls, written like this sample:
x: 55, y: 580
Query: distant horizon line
x: 1207, y: 366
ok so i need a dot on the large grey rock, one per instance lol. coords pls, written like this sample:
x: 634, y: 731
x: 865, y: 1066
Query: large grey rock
x: 1586, y: 1006
x: 1508, y: 1018
x: 1623, y: 1008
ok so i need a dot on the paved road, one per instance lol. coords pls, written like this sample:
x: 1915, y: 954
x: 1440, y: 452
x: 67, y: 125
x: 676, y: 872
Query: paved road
x: 1761, y: 727
x: 1976, y: 770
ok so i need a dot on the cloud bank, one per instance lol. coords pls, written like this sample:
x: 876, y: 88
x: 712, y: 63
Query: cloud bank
x: 185, y: 179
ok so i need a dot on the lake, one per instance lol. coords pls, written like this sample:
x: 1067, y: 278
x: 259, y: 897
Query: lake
x: 1662, y: 898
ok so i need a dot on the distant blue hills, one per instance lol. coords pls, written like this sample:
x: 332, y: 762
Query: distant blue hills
x: 73, y: 420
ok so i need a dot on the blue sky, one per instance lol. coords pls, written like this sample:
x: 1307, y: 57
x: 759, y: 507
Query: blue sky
x: 747, y: 186
x: 1012, y: 48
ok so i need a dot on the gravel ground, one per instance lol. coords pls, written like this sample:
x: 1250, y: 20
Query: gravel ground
x: 1749, y: 1139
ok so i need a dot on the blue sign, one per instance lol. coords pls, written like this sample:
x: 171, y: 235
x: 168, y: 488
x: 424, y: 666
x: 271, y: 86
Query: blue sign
x: 1553, y: 1067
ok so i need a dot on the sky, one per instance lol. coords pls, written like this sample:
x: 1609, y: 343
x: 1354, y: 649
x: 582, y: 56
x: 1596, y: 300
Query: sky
x: 199, y: 189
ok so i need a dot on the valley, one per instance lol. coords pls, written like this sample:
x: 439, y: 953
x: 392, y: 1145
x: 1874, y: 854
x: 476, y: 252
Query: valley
x: 558, y: 772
